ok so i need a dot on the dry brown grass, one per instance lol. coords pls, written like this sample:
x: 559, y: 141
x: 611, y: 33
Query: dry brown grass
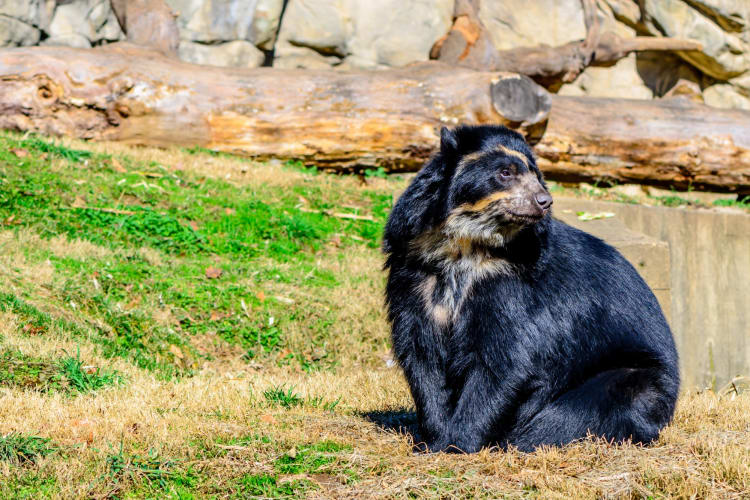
x: 705, y: 453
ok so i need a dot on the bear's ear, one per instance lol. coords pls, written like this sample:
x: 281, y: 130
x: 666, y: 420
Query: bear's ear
x: 448, y: 142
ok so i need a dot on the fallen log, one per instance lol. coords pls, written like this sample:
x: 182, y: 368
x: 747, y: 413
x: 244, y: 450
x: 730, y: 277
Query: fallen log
x: 673, y: 142
x: 385, y: 118
x: 360, y: 120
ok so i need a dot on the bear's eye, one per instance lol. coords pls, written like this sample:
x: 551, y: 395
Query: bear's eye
x: 505, y: 173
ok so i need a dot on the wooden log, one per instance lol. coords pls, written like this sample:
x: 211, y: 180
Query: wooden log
x: 340, y: 120
x: 359, y: 120
x: 674, y: 142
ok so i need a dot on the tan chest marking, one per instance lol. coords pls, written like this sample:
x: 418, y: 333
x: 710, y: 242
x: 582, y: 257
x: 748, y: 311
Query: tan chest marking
x: 444, y: 296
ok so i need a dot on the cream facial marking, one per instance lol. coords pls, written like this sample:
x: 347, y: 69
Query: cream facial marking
x: 514, y: 153
x: 466, y: 160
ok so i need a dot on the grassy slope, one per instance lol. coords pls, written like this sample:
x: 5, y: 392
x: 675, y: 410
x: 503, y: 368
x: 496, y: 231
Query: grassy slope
x: 187, y: 325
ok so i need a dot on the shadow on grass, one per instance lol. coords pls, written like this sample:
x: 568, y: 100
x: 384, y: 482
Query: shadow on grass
x: 401, y: 421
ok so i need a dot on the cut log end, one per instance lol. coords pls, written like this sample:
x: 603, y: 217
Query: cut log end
x: 522, y: 103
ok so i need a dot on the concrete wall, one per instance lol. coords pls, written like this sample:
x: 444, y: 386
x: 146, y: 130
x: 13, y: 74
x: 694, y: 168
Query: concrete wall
x: 709, y: 260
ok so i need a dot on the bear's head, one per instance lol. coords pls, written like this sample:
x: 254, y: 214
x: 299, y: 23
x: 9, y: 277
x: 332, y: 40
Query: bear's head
x: 494, y: 188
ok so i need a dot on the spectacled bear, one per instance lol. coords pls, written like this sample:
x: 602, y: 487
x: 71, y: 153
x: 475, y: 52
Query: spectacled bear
x: 511, y: 327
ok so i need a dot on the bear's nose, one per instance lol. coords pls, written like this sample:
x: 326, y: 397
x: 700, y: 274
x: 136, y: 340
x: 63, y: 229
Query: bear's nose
x: 544, y: 200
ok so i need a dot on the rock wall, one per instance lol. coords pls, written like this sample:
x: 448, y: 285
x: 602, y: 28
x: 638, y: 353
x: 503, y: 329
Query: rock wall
x: 384, y: 33
x: 709, y: 306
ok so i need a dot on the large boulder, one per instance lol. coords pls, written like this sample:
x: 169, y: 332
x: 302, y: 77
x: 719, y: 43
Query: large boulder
x: 22, y: 22
x: 218, y: 21
x: 724, y: 95
x: 621, y: 79
x: 15, y: 33
x: 731, y: 15
x: 521, y: 23
x: 360, y: 33
x: 83, y: 23
x: 725, y: 54
x: 238, y: 53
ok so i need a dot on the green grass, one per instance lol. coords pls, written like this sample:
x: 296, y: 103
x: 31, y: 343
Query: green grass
x: 315, y: 458
x: 262, y: 237
x: 738, y: 203
x: 66, y: 374
x: 21, y: 449
x: 150, y: 474
x: 83, y: 379
x: 29, y: 485
x: 283, y: 397
x: 268, y: 486
x: 286, y: 398
x: 673, y: 199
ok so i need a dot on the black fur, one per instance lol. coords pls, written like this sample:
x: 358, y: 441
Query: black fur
x: 550, y: 334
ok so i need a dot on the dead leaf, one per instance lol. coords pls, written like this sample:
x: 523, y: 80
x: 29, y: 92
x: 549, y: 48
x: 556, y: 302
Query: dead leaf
x: 79, y: 202
x: 336, y: 240
x: 587, y: 216
x: 353, y: 216
x: 19, y: 153
x: 216, y: 315
x: 193, y: 225
x: 325, y: 480
x: 285, y: 300
x: 290, y: 478
x: 230, y: 211
x: 30, y: 329
x: 261, y: 296
x: 134, y: 302
x: 176, y: 351
x: 213, y: 272
x: 11, y: 221
x: 117, y: 166
x: 83, y: 430
x: 267, y: 419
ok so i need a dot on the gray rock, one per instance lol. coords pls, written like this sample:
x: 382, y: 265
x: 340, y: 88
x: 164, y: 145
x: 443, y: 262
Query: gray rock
x: 627, y: 12
x: 212, y: 21
x: 360, y: 33
x: 22, y: 21
x: 37, y: 13
x: 68, y: 40
x: 734, y: 93
x: 731, y: 15
x: 238, y: 53
x: 621, y: 80
x: 724, y: 55
x: 524, y: 23
x: 90, y: 19
x: 724, y: 95
x: 15, y: 33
